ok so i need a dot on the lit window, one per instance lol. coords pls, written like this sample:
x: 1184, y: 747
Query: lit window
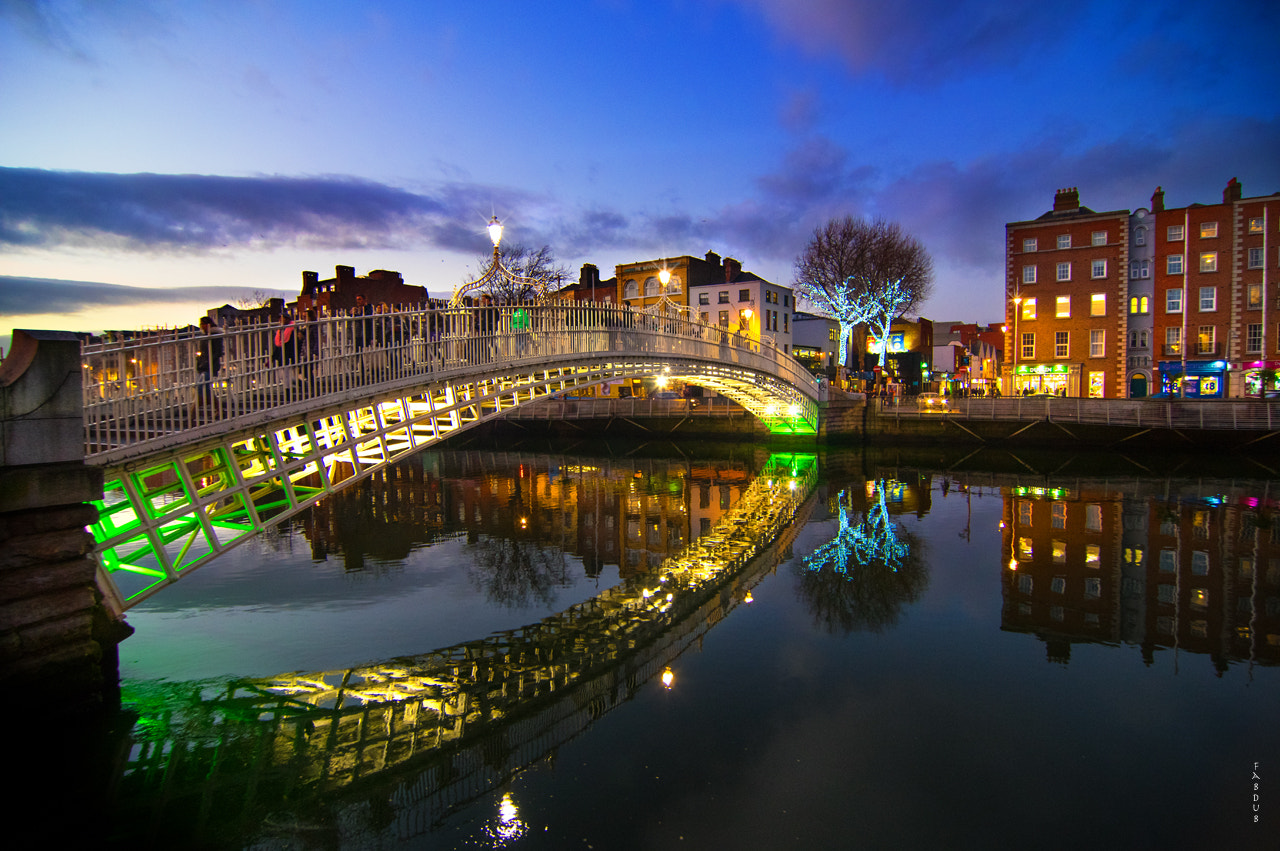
x: 1209, y: 261
x: 1064, y: 241
x: 1097, y: 347
x: 1255, y: 224
x: 1029, y: 244
x: 1200, y: 598
x: 1063, y: 310
x: 1059, y: 552
x: 1099, y: 237
x: 1139, y: 304
x: 1208, y: 299
x: 1092, y: 555
x: 1254, y: 296
x: 1028, y: 308
x: 1173, y: 341
x: 1208, y: 230
x: 1028, y: 274
x: 1064, y: 271
x: 1025, y: 548
x: 1098, y: 304
x: 1175, y: 233
x: 1173, y: 300
x: 1173, y: 264
x: 1060, y: 344
x: 1255, y: 258
x: 1207, y: 339
x: 1099, y: 268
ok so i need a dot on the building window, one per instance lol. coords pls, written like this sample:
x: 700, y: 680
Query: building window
x: 1207, y: 339
x: 1063, y: 310
x: 1029, y: 244
x: 651, y: 286
x: 704, y: 298
x: 1208, y: 230
x: 1255, y: 296
x: 786, y: 300
x: 724, y: 319
x: 1064, y: 271
x: 1028, y: 308
x: 1097, y: 340
x: 1138, y: 304
x: 1028, y: 345
x: 1059, y: 520
x: 1173, y: 341
x: 1098, y: 304
x: 1208, y: 299
x: 1099, y: 237
x: 630, y: 289
x: 1209, y: 261
x: 1255, y: 258
x: 744, y: 295
x: 1028, y: 274
x: 1133, y: 270
x: 705, y: 317
x: 1173, y: 300
x: 1175, y: 233
x: 1255, y: 224
x: 1146, y: 268
x: 1140, y: 236
x: 1253, y: 338
x: 1064, y: 241
x: 1061, y: 341
x: 743, y: 321
x: 723, y: 297
x: 1173, y: 264
x: 1099, y: 268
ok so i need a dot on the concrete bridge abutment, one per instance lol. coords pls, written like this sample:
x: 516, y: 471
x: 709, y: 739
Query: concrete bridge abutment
x: 57, y: 639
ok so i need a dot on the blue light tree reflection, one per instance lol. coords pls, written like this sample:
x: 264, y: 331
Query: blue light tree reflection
x: 861, y: 578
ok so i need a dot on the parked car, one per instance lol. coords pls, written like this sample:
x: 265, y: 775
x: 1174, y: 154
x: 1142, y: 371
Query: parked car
x: 933, y: 403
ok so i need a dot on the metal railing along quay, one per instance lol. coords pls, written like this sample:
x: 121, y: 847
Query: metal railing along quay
x: 1202, y: 414
x: 588, y: 408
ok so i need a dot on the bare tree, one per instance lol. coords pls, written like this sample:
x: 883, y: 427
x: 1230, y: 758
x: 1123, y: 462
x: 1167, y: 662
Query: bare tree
x: 527, y: 265
x: 858, y: 271
x: 257, y: 298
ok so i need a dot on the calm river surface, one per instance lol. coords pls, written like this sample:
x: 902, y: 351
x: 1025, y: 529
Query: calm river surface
x: 935, y: 654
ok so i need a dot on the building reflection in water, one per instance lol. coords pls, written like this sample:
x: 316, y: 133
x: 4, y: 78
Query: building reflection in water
x: 513, y: 507
x: 1194, y: 571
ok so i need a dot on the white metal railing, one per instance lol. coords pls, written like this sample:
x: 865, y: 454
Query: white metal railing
x: 585, y: 408
x: 144, y: 385
x: 1209, y: 414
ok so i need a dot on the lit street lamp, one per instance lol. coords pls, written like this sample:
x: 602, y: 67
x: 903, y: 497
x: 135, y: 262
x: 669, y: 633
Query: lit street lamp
x: 498, y: 273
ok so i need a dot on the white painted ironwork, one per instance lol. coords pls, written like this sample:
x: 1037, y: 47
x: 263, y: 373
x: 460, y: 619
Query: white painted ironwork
x: 198, y: 459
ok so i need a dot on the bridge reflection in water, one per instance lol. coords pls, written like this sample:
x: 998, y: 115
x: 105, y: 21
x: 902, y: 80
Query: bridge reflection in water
x: 446, y: 726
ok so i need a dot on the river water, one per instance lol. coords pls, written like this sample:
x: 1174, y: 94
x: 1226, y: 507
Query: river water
x: 935, y: 652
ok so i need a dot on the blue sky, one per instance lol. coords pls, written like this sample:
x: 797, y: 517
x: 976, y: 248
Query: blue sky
x: 227, y: 146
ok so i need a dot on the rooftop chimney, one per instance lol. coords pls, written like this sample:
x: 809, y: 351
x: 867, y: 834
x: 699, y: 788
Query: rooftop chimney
x: 1232, y: 192
x: 1067, y: 200
x: 1157, y: 200
x: 713, y: 258
x: 344, y: 271
x: 589, y: 276
x: 731, y: 269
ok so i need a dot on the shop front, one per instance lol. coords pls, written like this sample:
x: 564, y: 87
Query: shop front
x: 1205, y: 379
x: 1054, y: 379
x: 1260, y: 377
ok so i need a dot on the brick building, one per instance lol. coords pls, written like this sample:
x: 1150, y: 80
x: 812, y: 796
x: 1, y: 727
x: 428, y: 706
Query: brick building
x: 339, y: 292
x: 1216, y: 305
x: 1066, y: 289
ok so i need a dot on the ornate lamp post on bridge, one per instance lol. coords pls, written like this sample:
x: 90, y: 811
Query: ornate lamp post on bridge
x: 498, y: 273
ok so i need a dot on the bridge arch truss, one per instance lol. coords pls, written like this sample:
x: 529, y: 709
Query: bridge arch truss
x: 195, y: 467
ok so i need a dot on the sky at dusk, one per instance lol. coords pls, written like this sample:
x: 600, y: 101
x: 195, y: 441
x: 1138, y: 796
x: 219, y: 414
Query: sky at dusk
x: 161, y: 158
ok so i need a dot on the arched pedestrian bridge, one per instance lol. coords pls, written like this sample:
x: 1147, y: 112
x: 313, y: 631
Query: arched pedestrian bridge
x: 206, y: 440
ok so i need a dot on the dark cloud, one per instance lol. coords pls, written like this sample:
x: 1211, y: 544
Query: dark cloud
x: 21, y: 296
x: 199, y: 213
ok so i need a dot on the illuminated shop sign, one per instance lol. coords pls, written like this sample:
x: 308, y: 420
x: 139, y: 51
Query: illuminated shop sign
x: 1042, y: 369
x: 897, y: 343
